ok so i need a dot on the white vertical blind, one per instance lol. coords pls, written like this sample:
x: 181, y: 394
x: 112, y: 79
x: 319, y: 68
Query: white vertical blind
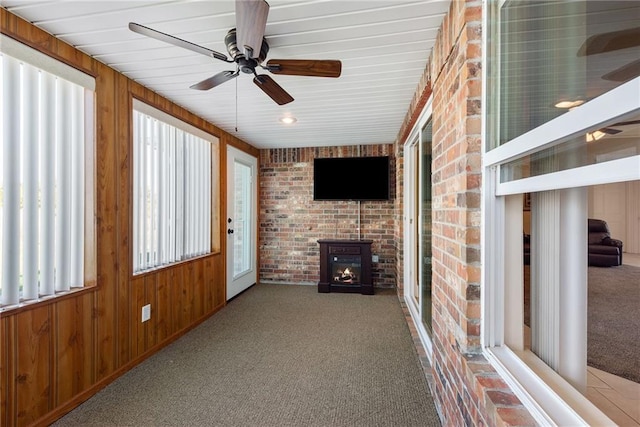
x: 43, y: 175
x: 10, y: 180
x: 545, y: 276
x: 76, y: 160
x: 47, y: 186
x: 29, y: 159
x: 205, y: 220
x: 573, y: 293
x: 171, y: 199
x: 180, y: 198
x: 187, y: 189
x: 172, y: 192
x: 63, y: 185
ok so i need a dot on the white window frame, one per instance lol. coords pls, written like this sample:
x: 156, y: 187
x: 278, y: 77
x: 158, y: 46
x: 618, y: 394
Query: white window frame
x: 549, y: 398
x: 56, y: 265
x: 411, y: 202
x: 176, y: 238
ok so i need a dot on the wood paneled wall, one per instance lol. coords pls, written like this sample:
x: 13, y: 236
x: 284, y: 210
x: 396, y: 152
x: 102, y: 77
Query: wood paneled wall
x: 55, y: 354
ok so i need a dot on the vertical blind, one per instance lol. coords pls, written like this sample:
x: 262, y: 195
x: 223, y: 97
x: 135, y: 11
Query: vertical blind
x: 42, y: 185
x: 172, y: 193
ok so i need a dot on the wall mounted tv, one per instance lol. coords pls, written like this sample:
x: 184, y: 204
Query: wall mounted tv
x: 351, y: 178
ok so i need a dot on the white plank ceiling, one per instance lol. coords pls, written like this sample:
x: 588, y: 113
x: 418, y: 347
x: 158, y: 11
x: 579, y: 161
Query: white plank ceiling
x: 384, y: 46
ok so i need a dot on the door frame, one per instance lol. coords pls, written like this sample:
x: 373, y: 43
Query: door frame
x: 412, y: 156
x: 236, y: 285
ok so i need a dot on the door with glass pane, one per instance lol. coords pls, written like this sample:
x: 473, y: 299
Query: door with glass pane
x: 241, y: 221
x: 418, y: 226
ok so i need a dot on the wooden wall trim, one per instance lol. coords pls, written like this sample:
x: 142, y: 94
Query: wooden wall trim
x: 22, y: 31
x: 73, y: 293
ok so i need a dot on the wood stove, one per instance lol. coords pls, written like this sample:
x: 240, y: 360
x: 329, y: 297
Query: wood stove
x: 345, y: 266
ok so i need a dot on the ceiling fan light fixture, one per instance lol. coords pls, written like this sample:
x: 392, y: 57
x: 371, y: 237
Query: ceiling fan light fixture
x: 595, y: 135
x: 288, y: 120
x: 569, y: 104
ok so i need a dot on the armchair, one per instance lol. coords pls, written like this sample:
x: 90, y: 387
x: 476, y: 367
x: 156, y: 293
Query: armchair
x: 603, y: 250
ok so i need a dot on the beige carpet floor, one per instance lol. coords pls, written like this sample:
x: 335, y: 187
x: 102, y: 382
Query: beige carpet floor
x: 277, y: 355
x: 613, y: 338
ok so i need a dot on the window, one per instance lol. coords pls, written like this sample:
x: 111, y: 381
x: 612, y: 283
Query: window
x: 562, y: 115
x: 46, y: 187
x: 172, y: 191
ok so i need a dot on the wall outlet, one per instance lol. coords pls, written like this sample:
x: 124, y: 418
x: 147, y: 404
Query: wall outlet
x: 146, y: 312
x: 375, y: 258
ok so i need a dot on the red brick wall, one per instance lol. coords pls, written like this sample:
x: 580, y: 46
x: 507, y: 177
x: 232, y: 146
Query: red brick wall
x: 456, y: 221
x: 468, y: 391
x: 291, y: 222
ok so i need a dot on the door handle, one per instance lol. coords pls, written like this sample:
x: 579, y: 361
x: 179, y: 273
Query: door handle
x: 230, y: 231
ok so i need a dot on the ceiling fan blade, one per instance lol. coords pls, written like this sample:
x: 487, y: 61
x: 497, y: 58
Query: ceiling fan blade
x: 273, y: 89
x: 624, y: 73
x: 155, y: 34
x: 305, y: 67
x: 610, y: 131
x: 215, y: 80
x: 251, y: 22
x: 607, y: 42
x: 627, y: 123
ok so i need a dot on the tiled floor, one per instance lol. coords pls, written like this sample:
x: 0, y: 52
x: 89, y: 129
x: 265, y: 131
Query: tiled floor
x: 617, y: 397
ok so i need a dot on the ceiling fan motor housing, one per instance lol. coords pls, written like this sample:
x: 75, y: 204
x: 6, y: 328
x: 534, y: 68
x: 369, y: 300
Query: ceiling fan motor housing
x: 246, y: 65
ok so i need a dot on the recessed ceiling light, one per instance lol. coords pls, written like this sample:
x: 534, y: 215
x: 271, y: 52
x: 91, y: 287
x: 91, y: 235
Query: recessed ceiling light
x: 288, y: 120
x: 569, y: 103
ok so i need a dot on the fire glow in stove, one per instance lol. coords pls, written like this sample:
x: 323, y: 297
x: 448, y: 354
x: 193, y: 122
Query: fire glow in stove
x: 345, y: 269
x: 345, y: 266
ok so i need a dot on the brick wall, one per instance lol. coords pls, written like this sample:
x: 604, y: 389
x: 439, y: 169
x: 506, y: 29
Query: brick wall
x: 467, y: 390
x: 291, y: 222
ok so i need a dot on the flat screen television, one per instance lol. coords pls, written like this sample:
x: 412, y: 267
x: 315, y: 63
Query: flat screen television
x: 351, y: 178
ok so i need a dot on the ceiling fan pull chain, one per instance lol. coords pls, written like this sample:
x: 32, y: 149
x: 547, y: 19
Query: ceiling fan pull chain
x: 236, y: 106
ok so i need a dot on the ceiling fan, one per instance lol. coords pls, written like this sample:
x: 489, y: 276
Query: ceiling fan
x: 248, y: 50
x: 602, y: 132
x: 610, y: 130
x: 612, y: 41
